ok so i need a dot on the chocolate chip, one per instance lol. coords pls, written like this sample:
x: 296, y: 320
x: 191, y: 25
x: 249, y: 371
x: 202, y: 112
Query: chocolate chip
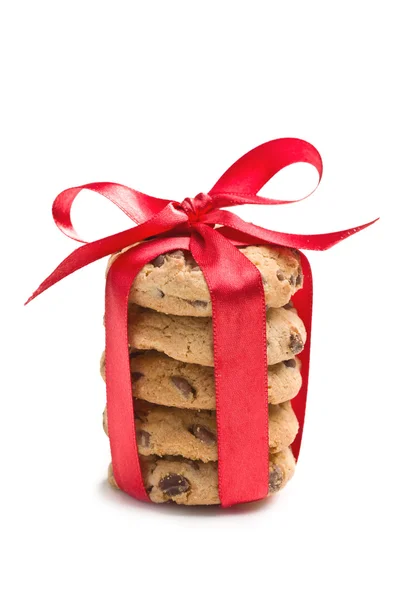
x: 143, y: 438
x: 183, y: 386
x: 160, y: 293
x: 196, y: 268
x: 292, y: 280
x: 296, y: 343
x: 133, y: 353
x: 174, y: 484
x: 288, y: 305
x: 136, y: 375
x: 198, y: 303
x: 141, y: 415
x: 159, y: 260
x: 177, y: 254
x: 203, y: 434
x: 291, y: 363
x: 275, y: 479
x: 280, y: 275
x: 141, y: 411
x: 299, y: 279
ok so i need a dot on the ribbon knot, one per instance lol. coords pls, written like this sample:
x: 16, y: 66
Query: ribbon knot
x: 195, y: 208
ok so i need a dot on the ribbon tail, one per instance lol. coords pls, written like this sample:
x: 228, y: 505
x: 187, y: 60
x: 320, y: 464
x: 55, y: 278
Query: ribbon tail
x: 240, y: 361
x: 120, y: 403
x: 163, y: 221
x: 322, y: 241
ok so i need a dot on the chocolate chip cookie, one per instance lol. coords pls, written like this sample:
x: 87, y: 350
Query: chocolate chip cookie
x: 190, y: 339
x: 173, y: 283
x: 173, y: 479
x: 162, y: 430
x: 164, y: 380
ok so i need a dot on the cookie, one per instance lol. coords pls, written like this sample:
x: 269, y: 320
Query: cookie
x: 190, y: 339
x: 173, y: 283
x: 162, y: 430
x: 196, y: 483
x: 164, y: 380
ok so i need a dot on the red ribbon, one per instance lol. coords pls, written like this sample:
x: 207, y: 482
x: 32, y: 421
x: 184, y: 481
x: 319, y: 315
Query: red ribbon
x: 238, y: 307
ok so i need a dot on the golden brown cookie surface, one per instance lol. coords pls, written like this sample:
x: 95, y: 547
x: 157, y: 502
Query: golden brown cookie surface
x: 192, y: 434
x: 195, y: 483
x: 173, y: 283
x: 163, y: 380
x: 190, y: 339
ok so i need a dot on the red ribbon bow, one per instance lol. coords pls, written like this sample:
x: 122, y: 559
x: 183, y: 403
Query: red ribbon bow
x: 238, y: 307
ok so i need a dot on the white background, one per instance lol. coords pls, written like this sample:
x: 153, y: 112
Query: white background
x: 163, y: 97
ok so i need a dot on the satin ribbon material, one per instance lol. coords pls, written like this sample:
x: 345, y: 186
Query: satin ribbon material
x: 238, y: 307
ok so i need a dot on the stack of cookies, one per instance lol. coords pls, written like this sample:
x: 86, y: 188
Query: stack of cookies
x: 171, y: 350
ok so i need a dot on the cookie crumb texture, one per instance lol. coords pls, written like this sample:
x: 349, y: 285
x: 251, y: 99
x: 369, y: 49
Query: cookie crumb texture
x: 170, y: 479
x: 174, y: 284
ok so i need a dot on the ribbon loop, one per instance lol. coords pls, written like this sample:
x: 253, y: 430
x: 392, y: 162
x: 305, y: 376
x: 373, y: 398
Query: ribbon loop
x: 245, y: 178
x: 137, y: 206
